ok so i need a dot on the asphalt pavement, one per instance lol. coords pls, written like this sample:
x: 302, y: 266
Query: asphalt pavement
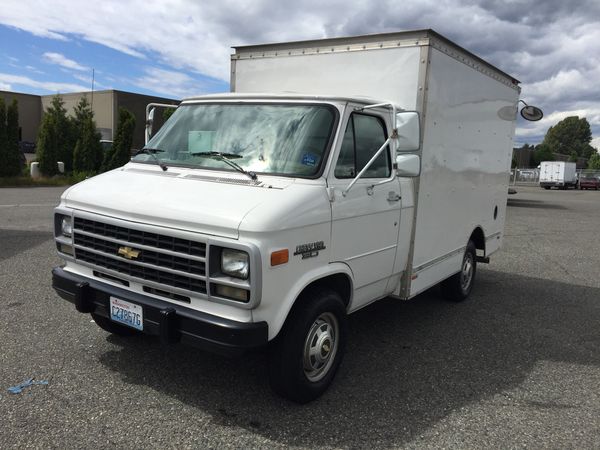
x: 517, y: 365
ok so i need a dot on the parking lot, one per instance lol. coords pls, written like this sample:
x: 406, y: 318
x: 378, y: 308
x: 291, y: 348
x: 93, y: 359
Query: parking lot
x: 517, y: 365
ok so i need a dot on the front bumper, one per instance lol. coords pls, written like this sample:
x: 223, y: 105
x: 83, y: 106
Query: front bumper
x: 171, y: 322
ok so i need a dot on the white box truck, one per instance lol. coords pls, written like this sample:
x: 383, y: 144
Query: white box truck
x: 560, y: 174
x: 338, y: 172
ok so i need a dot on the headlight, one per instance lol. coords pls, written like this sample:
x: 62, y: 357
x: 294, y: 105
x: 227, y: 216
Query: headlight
x: 66, y: 226
x: 235, y: 263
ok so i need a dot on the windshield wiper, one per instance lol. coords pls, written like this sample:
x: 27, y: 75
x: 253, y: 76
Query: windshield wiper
x: 152, y: 152
x: 226, y: 158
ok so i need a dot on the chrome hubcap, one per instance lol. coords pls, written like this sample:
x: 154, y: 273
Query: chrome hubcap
x: 320, y: 347
x: 467, y: 272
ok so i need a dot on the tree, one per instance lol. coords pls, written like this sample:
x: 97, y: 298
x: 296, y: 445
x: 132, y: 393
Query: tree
x: 523, y: 156
x: 47, y: 145
x: 55, y: 139
x: 167, y: 112
x: 65, y: 132
x: 571, y: 134
x: 573, y: 157
x: 543, y: 153
x: 594, y: 161
x: 87, y: 154
x: 11, y: 159
x: 120, y: 153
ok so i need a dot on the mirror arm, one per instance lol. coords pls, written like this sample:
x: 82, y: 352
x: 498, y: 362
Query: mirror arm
x: 364, y: 169
x: 149, y: 108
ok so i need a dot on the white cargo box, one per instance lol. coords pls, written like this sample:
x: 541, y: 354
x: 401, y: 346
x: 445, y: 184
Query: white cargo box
x: 558, y: 173
x: 468, y: 110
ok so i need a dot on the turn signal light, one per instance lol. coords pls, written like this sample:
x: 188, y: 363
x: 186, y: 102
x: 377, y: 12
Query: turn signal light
x: 280, y: 257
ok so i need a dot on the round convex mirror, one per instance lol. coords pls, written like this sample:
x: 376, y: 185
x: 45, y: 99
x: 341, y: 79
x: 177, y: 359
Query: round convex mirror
x: 532, y: 113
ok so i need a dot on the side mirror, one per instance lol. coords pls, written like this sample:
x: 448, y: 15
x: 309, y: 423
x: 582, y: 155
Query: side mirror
x: 408, y: 165
x: 409, y: 131
x: 531, y: 113
x: 149, y: 122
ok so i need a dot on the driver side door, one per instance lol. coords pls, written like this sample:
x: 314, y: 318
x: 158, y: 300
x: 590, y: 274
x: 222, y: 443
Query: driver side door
x: 365, y: 221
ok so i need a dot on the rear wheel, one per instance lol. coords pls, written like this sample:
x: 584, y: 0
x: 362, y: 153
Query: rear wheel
x: 306, y: 355
x: 112, y: 327
x: 458, y: 287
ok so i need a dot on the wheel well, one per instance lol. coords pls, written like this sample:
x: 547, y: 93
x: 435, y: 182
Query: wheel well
x: 478, y: 239
x: 338, y: 282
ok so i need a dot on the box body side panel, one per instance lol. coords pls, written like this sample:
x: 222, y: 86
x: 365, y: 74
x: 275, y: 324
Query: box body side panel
x: 389, y: 74
x: 469, y: 125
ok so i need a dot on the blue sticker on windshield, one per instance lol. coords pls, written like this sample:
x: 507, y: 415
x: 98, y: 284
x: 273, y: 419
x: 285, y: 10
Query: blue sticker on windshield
x: 309, y: 159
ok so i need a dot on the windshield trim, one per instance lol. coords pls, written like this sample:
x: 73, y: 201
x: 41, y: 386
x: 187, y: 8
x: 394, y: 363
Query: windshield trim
x: 326, y: 152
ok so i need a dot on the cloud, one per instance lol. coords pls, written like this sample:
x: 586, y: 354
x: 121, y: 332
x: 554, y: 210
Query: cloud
x: 5, y: 86
x: 87, y: 79
x: 170, y: 83
x: 51, y: 86
x: 63, y: 61
x: 34, y: 69
x: 553, y: 47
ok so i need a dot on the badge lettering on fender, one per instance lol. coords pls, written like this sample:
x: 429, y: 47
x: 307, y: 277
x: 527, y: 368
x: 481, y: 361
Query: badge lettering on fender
x: 309, y: 250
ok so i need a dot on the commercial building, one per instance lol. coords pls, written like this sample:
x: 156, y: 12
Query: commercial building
x: 105, y: 105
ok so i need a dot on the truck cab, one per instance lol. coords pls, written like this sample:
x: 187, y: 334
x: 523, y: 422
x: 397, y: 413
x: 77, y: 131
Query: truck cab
x: 252, y: 210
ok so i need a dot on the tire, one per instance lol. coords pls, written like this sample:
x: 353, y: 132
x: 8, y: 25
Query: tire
x: 306, y: 355
x: 547, y: 187
x: 458, y: 287
x: 112, y: 327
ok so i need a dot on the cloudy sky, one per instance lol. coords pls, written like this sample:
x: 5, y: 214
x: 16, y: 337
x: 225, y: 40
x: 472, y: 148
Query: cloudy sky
x: 178, y: 48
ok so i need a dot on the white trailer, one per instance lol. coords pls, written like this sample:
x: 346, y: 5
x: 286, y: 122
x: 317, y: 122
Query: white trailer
x: 558, y: 174
x: 374, y: 166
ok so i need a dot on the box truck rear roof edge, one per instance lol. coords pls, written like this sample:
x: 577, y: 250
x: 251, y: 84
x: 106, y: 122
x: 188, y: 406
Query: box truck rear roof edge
x: 361, y: 42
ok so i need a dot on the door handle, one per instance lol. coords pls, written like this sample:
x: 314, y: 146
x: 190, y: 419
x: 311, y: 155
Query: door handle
x: 393, y: 197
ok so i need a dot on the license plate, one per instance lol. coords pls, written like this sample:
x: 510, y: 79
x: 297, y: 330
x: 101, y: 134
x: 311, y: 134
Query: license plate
x: 126, y: 313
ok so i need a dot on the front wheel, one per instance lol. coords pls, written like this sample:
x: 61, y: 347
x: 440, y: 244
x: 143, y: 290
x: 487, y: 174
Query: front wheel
x: 306, y: 355
x: 458, y: 287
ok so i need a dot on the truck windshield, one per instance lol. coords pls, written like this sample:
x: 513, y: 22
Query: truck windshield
x: 282, y: 139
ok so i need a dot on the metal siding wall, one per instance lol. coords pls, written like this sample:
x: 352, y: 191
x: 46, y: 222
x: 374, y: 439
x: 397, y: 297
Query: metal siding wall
x: 102, y: 104
x: 136, y: 104
x: 30, y: 113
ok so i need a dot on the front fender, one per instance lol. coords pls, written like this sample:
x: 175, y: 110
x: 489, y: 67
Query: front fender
x: 276, y: 312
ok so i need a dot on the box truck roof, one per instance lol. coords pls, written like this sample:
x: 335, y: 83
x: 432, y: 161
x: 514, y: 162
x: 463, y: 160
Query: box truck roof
x: 283, y: 97
x: 367, y: 42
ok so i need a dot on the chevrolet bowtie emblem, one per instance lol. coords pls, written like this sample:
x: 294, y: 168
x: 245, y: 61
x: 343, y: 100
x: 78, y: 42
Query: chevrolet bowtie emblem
x: 128, y: 252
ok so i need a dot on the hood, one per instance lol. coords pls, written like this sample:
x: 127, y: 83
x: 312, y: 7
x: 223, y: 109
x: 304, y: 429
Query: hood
x: 210, y: 203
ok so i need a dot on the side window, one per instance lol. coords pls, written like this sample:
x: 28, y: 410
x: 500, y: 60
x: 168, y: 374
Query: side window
x: 364, y: 135
x: 345, y: 167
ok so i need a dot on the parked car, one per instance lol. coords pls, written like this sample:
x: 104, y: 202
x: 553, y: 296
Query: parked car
x: 589, y: 182
x: 106, y: 144
x: 27, y: 147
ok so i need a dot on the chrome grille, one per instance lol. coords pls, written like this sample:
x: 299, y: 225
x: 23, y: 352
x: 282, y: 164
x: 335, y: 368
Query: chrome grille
x: 141, y: 237
x: 161, y: 259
